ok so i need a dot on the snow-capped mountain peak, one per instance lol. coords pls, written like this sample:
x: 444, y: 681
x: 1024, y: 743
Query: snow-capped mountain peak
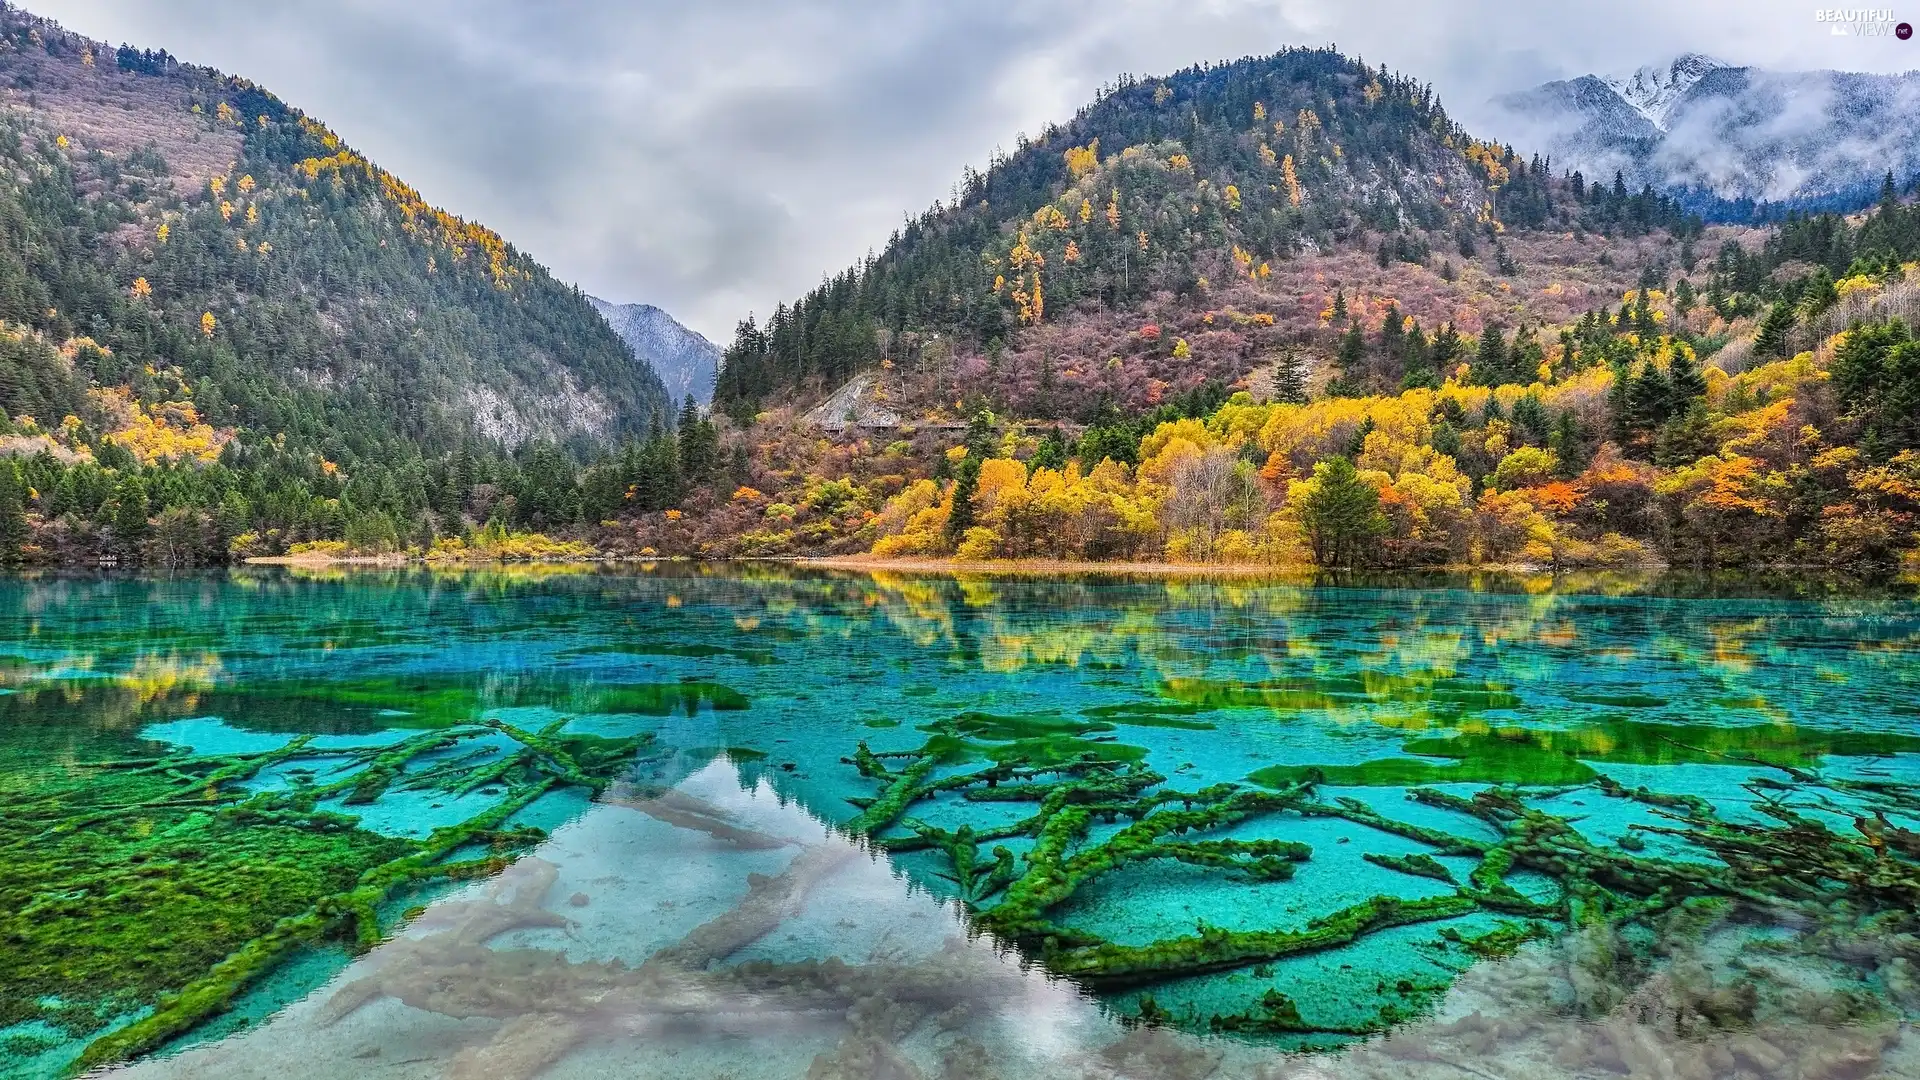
x: 1653, y: 89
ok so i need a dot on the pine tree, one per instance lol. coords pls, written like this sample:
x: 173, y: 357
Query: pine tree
x: 1649, y: 399
x: 1530, y: 420
x: 1445, y: 349
x: 1684, y: 379
x: 1771, y: 340
x: 698, y: 445
x: 961, y: 517
x: 130, y: 515
x: 1620, y: 403
x: 1352, y: 358
x: 13, y: 513
x: 1341, y: 515
x: 1357, y: 443
x: 1490, y: 360
x: 1899, y: 421
x: 1290, y: 378
x: 1819, y: 294
x: 1050, y: 454
x: 1569, y: 450
x: 1339, y: 307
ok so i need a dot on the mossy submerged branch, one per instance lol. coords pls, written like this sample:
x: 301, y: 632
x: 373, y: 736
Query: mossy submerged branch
x: 1796, y: 864
x: 547, y: 763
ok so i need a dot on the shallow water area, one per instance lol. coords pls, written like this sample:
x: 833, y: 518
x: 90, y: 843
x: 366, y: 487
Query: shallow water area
x: 760, y: 821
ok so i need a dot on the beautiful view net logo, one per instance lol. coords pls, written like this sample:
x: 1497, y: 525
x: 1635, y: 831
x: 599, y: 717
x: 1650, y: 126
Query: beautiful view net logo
x: 1862, y: 22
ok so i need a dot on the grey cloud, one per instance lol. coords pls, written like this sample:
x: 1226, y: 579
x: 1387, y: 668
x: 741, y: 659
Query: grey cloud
x: 714, y: 158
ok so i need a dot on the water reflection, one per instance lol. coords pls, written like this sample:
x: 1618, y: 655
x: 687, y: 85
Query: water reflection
x: 595, y: 824
x: 717, y: 931
x: 712, y: 929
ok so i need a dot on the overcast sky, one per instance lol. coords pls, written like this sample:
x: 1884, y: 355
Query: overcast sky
x: 716, y: 156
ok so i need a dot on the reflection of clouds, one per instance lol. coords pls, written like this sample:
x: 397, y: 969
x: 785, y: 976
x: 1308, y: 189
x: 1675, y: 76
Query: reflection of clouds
x: 546, y: 970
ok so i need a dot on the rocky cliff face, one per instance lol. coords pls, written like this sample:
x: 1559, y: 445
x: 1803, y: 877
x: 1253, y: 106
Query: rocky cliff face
x: 686, y: 362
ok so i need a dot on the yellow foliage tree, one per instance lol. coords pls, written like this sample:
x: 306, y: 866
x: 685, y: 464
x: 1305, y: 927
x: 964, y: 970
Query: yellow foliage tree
x: 1082, y: 160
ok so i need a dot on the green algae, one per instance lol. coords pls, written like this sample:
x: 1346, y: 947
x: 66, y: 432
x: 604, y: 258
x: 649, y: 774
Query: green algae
x: 1795, y: 863
x: 1616, y: 700
x: 1037, y: 740
x: 1468, y: 760
x: 1547, y: 757
x: 346, y: 706
x: 690, y: 650
x: 1047, y: 753
x: 995, y: 727
x: 107, y: 918
x: 163, y: 886
x: 1156, y: 714
x: 1418, y: 864
x: 1337, y: 691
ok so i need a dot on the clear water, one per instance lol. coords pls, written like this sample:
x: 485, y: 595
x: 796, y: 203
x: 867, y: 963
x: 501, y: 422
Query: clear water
x: 230, y: 804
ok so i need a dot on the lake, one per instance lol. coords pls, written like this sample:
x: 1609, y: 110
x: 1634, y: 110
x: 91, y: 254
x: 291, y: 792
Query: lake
x: 758, y: 821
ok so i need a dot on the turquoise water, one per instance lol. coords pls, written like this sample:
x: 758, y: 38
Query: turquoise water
x: 590, y: 823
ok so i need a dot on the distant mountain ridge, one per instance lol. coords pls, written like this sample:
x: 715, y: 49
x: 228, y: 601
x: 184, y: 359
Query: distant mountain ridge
x: 685, y: 360
x: 1653, y: 90
x: 1729, y: 139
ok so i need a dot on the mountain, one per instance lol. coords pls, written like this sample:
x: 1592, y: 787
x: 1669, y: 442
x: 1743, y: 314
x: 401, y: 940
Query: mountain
x: 224, y: 332
x: 1653, y: 91
x: 191, y: 223
x: 1199, y: 230
x: 1724, y: 137
x: 686, y: 362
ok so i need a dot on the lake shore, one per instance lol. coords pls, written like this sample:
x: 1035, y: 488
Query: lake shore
x: 1045, y: 567
x: 313, y: 559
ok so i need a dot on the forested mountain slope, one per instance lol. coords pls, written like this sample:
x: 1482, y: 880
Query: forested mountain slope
x: 1190, y: 229
x: 210, y: 303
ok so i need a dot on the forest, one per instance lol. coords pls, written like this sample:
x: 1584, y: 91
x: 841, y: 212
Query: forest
x: 1277, y: 311
x: 265, y: 339
x: 1756, y: 418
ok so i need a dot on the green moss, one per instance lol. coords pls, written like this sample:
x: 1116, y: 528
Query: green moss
x: 1545, y: 757
x: 1621, y: 701
x: 1315, y: 693
x: 113, y: 914
x: 691, y: 649
x: 137, y: 882
x: 994, y: 727
x: 1158, y: 714
x: 1418, y: 865
x: 1501, y: 942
